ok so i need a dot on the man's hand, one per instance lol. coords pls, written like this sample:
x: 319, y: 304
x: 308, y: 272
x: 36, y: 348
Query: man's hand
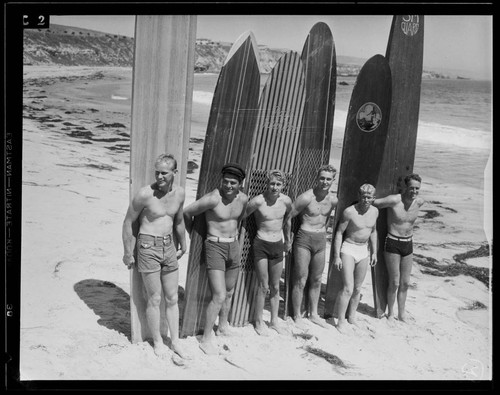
x: 337, y: 262
x: 129, y: 261
x: 180, y: 253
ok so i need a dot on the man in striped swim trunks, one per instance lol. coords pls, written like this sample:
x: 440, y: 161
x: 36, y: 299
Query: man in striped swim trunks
x: 402, y: 212
x: 224, y: 209
x: 355, y: 246
x: 313, y: 208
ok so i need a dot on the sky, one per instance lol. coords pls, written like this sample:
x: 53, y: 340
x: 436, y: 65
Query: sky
x: 451, y: 42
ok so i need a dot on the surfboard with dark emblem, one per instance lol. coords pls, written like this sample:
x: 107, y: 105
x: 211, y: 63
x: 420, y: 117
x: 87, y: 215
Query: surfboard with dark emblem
x: 275, y: 146
x: 362, y: 151
x: 320, y: 70
x: 405, y: 56
x: 229, y: 136
x: 161, y: 121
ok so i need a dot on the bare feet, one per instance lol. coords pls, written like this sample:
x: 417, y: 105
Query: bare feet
x: 318, y: 321
x: 354, y: 321
x: 280, y: 329
x: 300, y: 323
x: 224, y: 330
x: 261, y: 329
x: 343, y: 327
x: 208, y: 347
x: 160, y: 349
x: 177, y: 348
x: 406, y: 318
x: 391, y: 321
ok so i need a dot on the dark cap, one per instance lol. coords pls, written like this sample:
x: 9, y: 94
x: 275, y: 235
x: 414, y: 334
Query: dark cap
x: 234, y: 169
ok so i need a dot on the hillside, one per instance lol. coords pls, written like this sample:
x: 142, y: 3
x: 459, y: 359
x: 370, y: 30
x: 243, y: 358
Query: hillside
x: 70, y: 46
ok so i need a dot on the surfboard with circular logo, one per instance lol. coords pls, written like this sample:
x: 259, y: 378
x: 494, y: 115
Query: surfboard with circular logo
x: 405, y: 56
x: 362, y: 151
x: 161, y: 119
x: 229, y: 136
x: 275, y: 146
x: 320, y: 70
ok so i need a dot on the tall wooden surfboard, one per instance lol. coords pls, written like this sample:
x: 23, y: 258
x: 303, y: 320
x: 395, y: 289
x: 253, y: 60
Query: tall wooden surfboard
x: 320, y: 70
x: 362, y: 151
x: 162, y: 92
x: 275, y: 146
x: 229, y: 136
x: 405, y: 55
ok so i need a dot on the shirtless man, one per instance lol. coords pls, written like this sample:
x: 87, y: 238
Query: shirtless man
x: 402, y: 213
x: 224, y: 208
x: 357, y: 228
x: 313, y: 208
x: 269, y: 210
x: 158, y: 207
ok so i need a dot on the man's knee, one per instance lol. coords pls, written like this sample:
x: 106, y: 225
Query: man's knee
x: 300, y: 282
x: 393, y: 285
x: 219, y: 298
x: 171, y: 300
x: 154, y: 300
x: 263, y: 289
x: 403, y: 287
x: 348, y: 290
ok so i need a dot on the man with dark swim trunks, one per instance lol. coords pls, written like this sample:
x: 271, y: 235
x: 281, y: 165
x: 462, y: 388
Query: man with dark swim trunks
x: 402, y: 213
x: 224, y: 208
x: 158, y: 207
x: 269, y: 210
x: 355, y: 247
x: 313, y: 208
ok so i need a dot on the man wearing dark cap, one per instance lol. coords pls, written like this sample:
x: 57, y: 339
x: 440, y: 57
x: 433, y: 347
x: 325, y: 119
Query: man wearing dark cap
x: 224, y: 208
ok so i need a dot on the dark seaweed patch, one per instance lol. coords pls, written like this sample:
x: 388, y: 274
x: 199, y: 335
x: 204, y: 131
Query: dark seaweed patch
x: 330, y: 358
x: 430, y: 214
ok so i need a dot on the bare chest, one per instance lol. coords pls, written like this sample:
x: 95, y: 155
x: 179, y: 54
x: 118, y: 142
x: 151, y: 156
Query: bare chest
x: 161, y: 207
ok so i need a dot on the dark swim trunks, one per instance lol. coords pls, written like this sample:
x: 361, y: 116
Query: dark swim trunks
x: 398, y: 245
x: 314, y: 242
x: 155, y: 253
x: 270, y: 250
x: 222, y: 255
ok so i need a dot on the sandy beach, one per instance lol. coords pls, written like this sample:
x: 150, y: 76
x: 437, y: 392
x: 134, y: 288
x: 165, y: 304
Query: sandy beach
x: 75, y: 314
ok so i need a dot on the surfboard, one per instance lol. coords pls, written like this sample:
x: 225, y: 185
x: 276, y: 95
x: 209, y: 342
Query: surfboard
x: 162, y: 90
x: 320, y: 70
x: 274, y: 146
x: 362, y: 151
x: 405, y: 56
x: 229, y: 136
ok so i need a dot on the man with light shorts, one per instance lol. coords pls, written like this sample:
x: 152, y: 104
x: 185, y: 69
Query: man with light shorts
x: 158, y: 209
x: 355, y: 246
x: 224, y: 209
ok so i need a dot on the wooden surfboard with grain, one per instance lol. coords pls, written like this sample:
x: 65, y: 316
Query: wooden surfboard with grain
x: 362, y: 151
x: 320, y: 70
x: 405, y: 56
x: 275, y: 146
x: 162, y: 89
x: 229, y: 136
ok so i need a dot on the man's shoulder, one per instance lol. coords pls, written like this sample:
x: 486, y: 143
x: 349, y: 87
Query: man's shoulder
x: 285, y: 198
x: 145, y: 191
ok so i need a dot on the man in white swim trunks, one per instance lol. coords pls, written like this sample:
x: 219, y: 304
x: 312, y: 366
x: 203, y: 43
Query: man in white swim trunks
x: 355, y: 246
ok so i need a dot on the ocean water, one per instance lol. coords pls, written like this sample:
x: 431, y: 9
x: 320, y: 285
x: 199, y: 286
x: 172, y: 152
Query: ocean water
x: 452, y: 111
